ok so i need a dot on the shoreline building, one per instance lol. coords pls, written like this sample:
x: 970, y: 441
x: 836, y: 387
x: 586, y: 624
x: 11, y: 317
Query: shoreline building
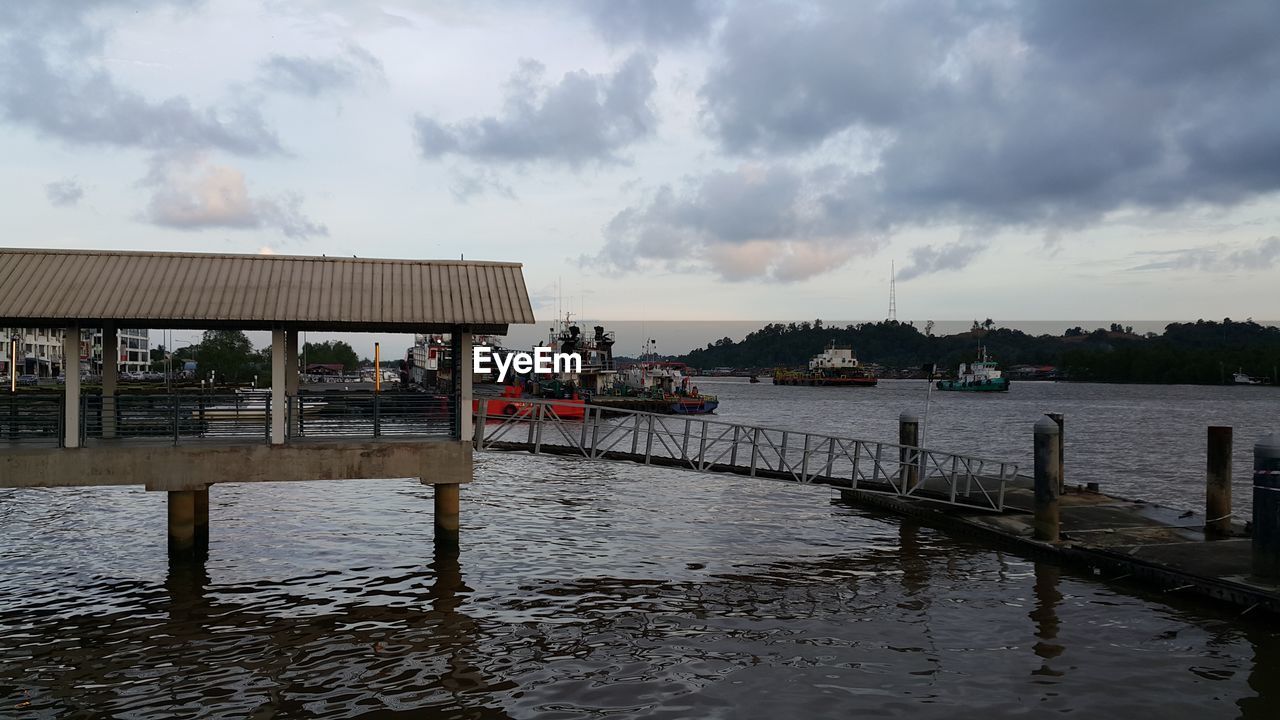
x: 40, y: 351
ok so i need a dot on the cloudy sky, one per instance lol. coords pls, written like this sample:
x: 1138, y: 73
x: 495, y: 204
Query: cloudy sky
x: 661, y: 160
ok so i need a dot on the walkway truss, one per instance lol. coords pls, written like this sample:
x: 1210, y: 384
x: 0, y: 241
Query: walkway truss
x: 705, y: 445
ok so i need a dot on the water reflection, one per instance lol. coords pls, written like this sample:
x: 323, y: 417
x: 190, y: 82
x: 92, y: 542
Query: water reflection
x: 1045, y: 616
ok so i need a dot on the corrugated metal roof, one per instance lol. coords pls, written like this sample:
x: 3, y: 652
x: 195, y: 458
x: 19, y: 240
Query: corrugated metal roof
x: 199, y: 290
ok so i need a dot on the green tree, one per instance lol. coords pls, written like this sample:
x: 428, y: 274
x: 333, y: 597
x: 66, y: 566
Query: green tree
x: 228, y: 354
x: 331, y: 353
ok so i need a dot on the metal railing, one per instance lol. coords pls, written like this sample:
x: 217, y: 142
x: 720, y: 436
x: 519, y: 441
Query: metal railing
x: 371, y: 415
x: 177, y: 418
x: 31, y: 419
x: 705, y: 445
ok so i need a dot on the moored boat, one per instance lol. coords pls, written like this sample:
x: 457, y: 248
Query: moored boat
x: 1239, y: 377
x: 979, y: 376
x: 514, y: 403
x: 835, y: 367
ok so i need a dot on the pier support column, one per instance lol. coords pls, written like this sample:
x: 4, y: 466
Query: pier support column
x: 1217, y: 484
x: 291, y: 379
x: 110, y: 376
x: 201, y: 517
x: 71, y: 369
x: 462, y: 362
x: 1266, y: 506
x: 1060, y: 419
x: 182, y: 524
x: 279, y: 405
x: 1047, y: 480
x: 909, y: 437
x: 446, y: 516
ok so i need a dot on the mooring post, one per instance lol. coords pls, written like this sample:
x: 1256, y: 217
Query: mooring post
x: 1217, y: 483
x: 908, y: 437
x: 1062, y: 456
x: 1047, y: 480
x: 182, y: 524
x: 446, y: 520
x: 1266, y: 506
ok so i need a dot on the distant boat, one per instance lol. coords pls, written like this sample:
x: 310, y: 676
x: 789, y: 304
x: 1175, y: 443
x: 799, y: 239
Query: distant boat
x: 836, y: 366
x: 980, y: 376
x: 1240, y: 378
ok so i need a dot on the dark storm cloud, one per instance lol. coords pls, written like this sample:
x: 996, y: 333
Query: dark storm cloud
x: 47, y: 84
x: 652, y: 22
x: 312, y: 77
x: 64, y: 193
x: 583, y: 118
x: 1033, y: 116
x: 1263, y: 255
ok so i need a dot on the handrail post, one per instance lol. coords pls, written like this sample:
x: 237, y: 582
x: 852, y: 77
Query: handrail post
x: 595, y: 432
x: 648, y: 443
x: 482, y: 419
x: 537, y: 443
x: 755, y: 450
x: 377, y: 414
x: 702, y: 448
x: 733, y: 452
x: 782, y: 454
x: 684, y: 446
x: 174, y: 398
x: 804, y: 460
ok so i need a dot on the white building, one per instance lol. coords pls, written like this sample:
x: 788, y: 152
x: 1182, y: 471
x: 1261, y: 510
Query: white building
x: 40, y: 351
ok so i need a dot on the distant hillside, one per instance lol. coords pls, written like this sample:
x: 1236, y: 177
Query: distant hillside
x: 1202, y: 352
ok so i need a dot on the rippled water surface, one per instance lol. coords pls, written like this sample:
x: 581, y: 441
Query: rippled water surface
x: 594, y: 590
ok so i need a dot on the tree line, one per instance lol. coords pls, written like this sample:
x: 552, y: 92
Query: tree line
x: 1201, y: 352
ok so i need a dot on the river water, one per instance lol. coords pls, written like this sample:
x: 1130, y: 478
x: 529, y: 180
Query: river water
x: 593, y: 590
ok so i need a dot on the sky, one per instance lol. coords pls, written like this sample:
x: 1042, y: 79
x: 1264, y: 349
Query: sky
x: 653, y: 160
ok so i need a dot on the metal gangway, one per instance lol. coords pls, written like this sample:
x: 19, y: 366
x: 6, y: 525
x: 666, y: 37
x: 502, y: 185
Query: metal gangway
x: 708, y: 445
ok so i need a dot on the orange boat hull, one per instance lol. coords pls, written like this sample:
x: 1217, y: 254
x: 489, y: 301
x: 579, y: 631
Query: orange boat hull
x: 504, y: 407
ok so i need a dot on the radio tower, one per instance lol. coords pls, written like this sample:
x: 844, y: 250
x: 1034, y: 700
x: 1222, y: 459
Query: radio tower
x: 893, y: 299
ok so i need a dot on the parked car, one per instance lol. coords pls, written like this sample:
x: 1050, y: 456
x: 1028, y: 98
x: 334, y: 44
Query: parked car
x: 28, y: 380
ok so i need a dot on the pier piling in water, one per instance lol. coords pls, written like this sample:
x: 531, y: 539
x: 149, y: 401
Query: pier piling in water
x: 1266, y: 506
x: 908, y: 437
x: 182, y: 524
x: 446, y: 516
x: 1048, y: 480
x: 1217, y: 483
x: 201, y: 517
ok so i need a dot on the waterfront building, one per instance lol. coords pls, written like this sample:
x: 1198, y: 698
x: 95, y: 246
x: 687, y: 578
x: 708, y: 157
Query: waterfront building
x: 40, y: 351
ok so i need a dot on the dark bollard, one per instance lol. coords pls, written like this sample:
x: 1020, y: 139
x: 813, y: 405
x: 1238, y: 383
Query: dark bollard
x: 1217, y: 483
x: 1266, y: 506
x: 1047, y: 481
x: 1060, y: 419
x: 909, y: 437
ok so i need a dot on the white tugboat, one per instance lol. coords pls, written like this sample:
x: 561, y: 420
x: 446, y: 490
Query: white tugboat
x: 980, y: 376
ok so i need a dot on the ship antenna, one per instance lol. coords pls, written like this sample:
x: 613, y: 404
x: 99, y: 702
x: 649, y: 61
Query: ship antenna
x: 893, y: 299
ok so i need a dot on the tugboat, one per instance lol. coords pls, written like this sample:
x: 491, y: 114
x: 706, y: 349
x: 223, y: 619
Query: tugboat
x: 980, y: 376
x: 514, y: 403
x: 666, y: 383
x: 836, y: 366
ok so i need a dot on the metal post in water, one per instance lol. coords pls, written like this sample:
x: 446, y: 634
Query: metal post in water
x: 1266, y: 506
x: 908, y: 437
x: 1047, y: 480
x: 1062, y: 456
x: 1217, y: 483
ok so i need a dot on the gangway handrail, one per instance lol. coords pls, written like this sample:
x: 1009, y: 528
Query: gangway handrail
x: 705, y: 444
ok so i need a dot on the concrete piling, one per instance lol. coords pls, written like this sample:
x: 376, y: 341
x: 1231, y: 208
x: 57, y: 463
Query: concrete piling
x: 1266, y: 506
x: 908, y: 437
x: 446, y: 516
x: 1217, y: 483
x: 201, y: 517
x: 1048, y: 481
x: 182, y: 524
x: 1060, y: 419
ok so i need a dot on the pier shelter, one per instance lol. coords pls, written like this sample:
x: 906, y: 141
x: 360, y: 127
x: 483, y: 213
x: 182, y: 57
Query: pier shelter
x: 183, y: 440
